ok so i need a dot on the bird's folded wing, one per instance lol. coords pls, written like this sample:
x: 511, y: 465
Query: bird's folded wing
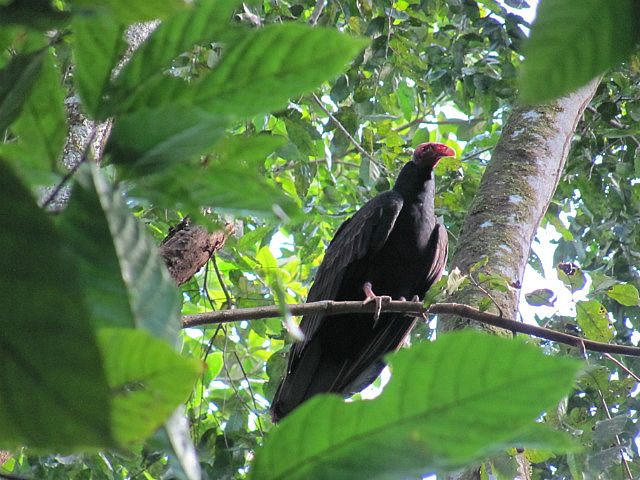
x: 364, y: 233
x: 439, y: 246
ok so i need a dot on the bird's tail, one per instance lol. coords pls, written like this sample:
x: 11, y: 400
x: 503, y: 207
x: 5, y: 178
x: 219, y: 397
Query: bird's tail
x: 313, y: 375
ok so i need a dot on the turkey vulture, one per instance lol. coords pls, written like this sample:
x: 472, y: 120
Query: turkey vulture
x: 392, y: 246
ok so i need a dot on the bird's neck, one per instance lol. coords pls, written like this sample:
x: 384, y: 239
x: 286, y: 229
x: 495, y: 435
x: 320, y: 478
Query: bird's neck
x: 417, y: 217
x: 416, y: 186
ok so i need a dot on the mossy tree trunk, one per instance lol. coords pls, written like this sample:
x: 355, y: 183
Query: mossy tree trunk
x: 513, y: 196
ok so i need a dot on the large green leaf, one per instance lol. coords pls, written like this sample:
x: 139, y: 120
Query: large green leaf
x: 16, y: 80
x: 148, y: 380
x: 459, y: 399
x: 41, y: 127
x: 268, y: 66
x: 148, y: 140
x: 230, y: 180
x: 573, y: 41
x: 33, y: 13
x: 130, y: 11
x: 625, y: 294
x: 260, y: 70
x: 124, y: 280
x: 592, y: 318
x: 98, y: 45
x: 147, y: 68
x: 54, y: 392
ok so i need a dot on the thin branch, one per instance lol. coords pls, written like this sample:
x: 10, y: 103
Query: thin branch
x: 451, y: 121
x: 85, y: 154
x: 330, y: 307
x: 223, y: 286
x: 475, y: 153
x: 623, y: 367
x: 9, y: 476
x: 253, y: 395
x: 341, y: 127
x: 623, y: 459
x: 317, y: 11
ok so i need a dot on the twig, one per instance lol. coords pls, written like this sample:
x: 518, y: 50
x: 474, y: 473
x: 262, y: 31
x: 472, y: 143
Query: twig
x: 253, y: 396
x: 421, y: 119
x: 330, y: 307
x: 474, y: 154
x: 223, y: 286
x: 85, y: 154
x: 341, y: 127
x: 9, y: 476
x: 623, y: 459
x: 623, y: 367
x: 317, y: 11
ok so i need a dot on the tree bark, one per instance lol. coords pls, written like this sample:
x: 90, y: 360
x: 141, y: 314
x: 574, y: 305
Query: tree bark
x: 513, y: 196
x: 188, y: 247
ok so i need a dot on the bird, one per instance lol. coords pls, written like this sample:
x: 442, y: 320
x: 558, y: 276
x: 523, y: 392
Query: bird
x: 391, y: 248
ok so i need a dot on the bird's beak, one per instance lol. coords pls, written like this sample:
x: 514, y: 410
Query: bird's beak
x: 446, y: 151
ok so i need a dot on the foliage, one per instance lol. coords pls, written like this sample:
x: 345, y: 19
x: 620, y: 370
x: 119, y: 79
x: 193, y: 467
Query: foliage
x: 573, y: 41
x: 214, y: 117
x: 425, y: 420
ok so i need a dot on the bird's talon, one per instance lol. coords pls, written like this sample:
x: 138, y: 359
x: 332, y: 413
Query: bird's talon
x: 415, y: 298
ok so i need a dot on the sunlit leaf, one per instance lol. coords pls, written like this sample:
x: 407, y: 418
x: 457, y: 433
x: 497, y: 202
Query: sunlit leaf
x: 147, y: 68
x: 148, y: 380
x: 625, y: 294
x: 592, y: 318
x: 427, y: 419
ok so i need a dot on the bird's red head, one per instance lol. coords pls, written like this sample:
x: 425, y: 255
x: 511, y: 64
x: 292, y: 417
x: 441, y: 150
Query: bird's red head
x: 430, y: 153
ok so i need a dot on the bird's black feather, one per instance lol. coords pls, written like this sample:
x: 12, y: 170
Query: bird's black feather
x: 394, y: 242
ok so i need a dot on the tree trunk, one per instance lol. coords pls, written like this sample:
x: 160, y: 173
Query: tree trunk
x: 513, y: 196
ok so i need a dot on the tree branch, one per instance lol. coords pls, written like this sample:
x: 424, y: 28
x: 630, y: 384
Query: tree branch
x: 317, y: 11
x: 330, y: 307
x: 341, y: 127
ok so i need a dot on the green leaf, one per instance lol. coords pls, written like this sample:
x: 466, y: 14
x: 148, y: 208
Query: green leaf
x: 147, y: 378
x: 16, y: 80
x: 456, y: 400
x: 625, y: 294
x: 41, y: 127
x: 36, y: 14
x: 130, y: 11
x: 571, y: 275
x: 124, y: 280
x: 573, y: 41
x: 232, y: 181
x: 98, y: 45
x: 266, y: 67
x: 592, y: 318
x: 149, y: 140
x: 54, y: 394
x: 605, y: 431
x: 541, y: 297
x: 146, y: 70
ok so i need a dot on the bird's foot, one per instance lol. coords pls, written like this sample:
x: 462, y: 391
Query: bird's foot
x: 415, y: 298
x: 372, y: 297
